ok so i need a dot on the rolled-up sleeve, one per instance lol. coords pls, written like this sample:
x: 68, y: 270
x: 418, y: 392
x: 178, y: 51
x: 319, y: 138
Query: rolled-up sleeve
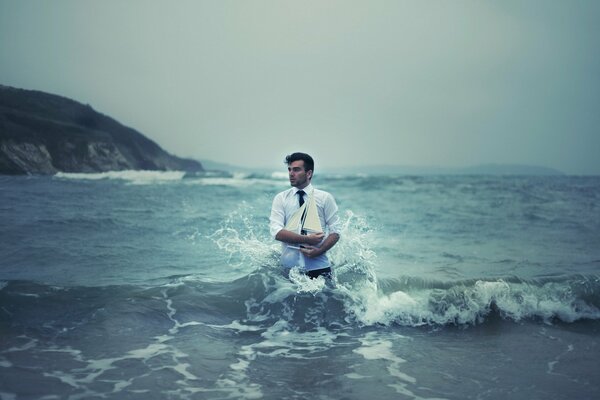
x: 277, y: 218
x: 332, y: 219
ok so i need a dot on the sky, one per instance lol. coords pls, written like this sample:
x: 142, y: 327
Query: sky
x: 410, y: 83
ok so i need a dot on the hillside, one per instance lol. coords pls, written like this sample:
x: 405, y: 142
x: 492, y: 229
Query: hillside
x: 41, y: 133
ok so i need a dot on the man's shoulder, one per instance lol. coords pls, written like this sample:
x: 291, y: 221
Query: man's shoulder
x: 323, y: 196
x: 321, y: 192
x: 284, y: 193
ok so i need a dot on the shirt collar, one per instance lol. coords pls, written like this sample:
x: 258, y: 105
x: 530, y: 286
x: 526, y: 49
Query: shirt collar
x: 307, y: 189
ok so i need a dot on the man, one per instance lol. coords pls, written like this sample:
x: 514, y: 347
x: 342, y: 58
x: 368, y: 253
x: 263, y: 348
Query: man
x: 307, y: 251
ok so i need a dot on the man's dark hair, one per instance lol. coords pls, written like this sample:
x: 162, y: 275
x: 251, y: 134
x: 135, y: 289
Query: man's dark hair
x: 309, y: 163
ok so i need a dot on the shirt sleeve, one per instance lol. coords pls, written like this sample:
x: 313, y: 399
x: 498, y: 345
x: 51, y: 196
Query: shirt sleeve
x: 277, y: 219
x: 332, y: 219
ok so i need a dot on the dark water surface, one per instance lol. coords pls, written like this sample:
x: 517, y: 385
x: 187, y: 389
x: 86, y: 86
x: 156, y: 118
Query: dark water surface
x: 163, y: 286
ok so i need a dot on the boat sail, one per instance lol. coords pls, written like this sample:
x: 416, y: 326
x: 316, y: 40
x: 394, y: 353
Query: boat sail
x: 306, y: 219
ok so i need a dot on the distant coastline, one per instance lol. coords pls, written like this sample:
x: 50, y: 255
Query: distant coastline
x: 44, y: 134
x: 484, y: 169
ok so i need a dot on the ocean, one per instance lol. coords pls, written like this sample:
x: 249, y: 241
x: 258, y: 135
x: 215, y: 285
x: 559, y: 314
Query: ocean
x: 162, y: 285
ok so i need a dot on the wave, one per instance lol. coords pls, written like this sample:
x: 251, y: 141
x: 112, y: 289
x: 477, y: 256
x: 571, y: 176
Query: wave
x: 236, y: 179
x: 360, y: 296
x: 265, y: 297
x: 132, y: 176
x: 473, y: 302
x: 252, y: 288
x: 358, y: 303
x: 207, y: 178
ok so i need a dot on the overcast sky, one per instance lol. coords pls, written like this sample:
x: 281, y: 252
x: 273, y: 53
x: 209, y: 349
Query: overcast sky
x: 422, y: 83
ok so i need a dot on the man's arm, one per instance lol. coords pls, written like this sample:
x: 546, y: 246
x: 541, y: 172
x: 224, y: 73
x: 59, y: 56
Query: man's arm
x: 278, y: 232
x: 328, y: 243
x: 291, y: 237
x: 332, y: 220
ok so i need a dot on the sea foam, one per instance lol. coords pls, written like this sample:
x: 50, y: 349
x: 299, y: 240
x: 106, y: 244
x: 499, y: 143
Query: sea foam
x: 133, y: 176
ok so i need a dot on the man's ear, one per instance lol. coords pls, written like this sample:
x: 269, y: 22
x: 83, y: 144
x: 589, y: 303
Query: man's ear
x: 309, y: 174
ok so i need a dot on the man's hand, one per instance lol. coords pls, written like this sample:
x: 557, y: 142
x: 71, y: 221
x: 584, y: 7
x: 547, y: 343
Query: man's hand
x: 310, y: 251
x: 294, y: 238
x: 314, y: 238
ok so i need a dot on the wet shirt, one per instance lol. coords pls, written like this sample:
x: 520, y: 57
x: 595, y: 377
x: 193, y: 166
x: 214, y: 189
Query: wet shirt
x: 285, y: 205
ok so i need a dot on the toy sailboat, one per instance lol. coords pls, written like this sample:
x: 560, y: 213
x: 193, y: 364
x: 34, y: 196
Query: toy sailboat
x: 305, y: 220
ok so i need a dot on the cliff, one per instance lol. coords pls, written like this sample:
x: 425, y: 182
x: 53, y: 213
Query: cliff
x: 41, y: 133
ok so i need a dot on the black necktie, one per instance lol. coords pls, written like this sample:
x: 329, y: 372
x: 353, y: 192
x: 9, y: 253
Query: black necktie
x: 301, y: 201
x: 300, y: 194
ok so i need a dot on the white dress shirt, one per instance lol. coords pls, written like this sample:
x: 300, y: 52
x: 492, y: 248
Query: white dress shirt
x: 284, y: 206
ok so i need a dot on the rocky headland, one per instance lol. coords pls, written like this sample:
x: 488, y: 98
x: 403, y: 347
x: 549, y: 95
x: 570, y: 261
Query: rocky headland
x: 41, y: 133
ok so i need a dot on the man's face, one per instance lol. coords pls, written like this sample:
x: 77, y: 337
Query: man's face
x: 299, y: 177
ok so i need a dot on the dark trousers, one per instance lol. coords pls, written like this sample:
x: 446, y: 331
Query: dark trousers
x: 325, y: 272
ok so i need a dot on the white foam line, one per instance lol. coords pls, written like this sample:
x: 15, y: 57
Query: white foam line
x: 182, y: 369
x: 237, y: 326
x: 4, y: 363
x: 8, y: 396
x: 95, y: 368
x: 148, y: 352
x: 119, y: 386
x: 35, y: 295
x: 354, y: 375
x: 552, y: 364
x: 133, y: 176
x: 27, y: 346
x: 237, y: 382
x: 374, y: 347
x: 171, y: 314
x: 231, y: 182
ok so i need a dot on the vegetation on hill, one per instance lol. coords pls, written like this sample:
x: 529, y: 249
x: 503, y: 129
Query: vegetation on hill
x: 41, y: 133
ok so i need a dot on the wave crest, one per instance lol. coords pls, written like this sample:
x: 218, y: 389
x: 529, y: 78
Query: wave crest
x: 473, y: 303
x: 133, y: 176
x: 359, y: 296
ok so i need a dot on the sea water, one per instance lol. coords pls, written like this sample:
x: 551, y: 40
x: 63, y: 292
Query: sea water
x: 161, y: 285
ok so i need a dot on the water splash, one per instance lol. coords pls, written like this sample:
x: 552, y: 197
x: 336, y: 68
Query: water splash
x: 356, y: 286
x: 246, y: 246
